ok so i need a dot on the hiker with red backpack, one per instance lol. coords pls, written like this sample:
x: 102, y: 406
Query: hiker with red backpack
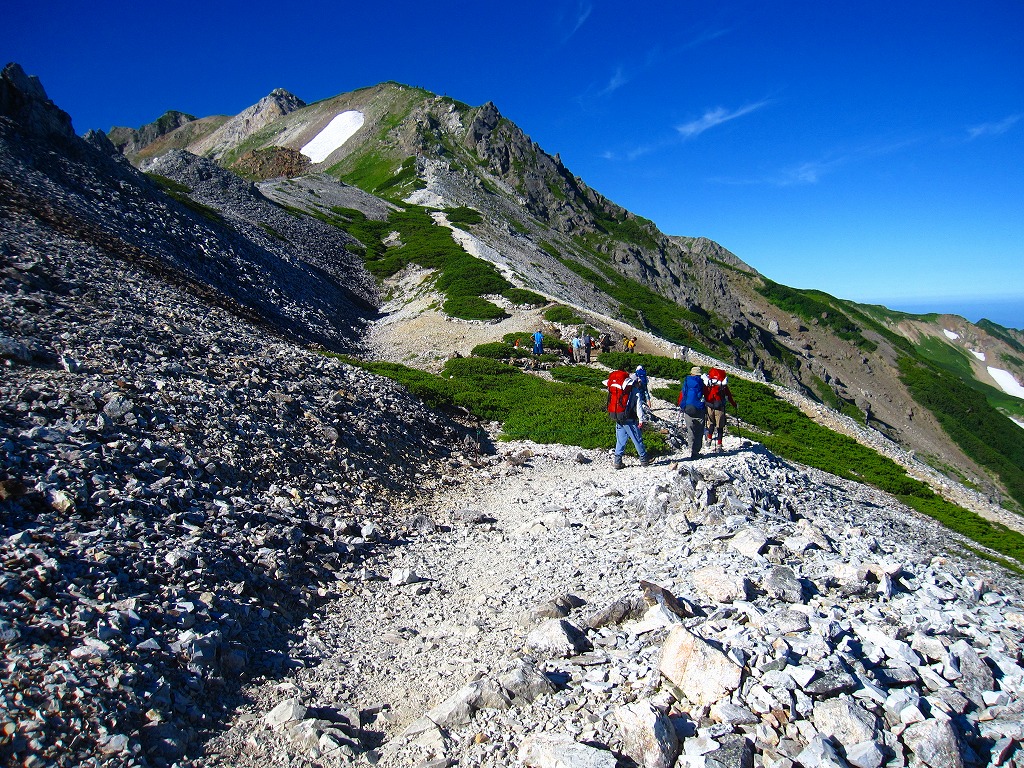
x: 625, y: 406
x: 716, y: 396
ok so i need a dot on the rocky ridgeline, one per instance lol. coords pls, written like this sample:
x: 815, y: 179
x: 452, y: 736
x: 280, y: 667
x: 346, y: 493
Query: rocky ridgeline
x: 729, y: 612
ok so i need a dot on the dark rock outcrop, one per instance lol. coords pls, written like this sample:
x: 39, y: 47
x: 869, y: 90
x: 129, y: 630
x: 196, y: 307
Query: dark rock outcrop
x: 24, y: 100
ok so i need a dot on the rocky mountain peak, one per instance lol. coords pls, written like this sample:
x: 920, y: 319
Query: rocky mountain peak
x: 24, y: 100
x: 277, y: 103
x: 130, y: 141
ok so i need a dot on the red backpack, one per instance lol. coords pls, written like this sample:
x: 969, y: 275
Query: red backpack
x: 618, y: 392
x: 715, y: 397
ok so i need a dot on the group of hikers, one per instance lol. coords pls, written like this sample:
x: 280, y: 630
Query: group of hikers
x: 703, y: 399
x: 583, y: 344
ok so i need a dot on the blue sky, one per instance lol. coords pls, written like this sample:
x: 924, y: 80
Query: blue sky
x: 874, y: 150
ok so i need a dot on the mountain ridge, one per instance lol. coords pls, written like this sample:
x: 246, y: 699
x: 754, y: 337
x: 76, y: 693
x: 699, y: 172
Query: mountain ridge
x: 433, y: 150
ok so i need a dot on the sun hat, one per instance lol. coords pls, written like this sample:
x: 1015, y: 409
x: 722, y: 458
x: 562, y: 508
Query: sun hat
x: 695, y: 371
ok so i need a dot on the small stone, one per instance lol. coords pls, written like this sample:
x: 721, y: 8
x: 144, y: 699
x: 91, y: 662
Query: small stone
x: 702, y: 672
x: 934, y: 743
x: 286, y: 711
x: 551, y: 751
x: 648, y: 736
x: 866, y: 754
x: 557, y: 637
x: 782, y: 583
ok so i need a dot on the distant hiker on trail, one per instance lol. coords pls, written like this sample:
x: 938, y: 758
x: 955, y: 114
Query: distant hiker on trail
x: 691, y: 403
x: 517, y: 344
x: 642, y: 383
x: 625, y: 408
x: 538, y: 343
x: 576, y: 345
x: 587, y: 343
x: 645, y: 393
x: 606, y: 342
x: 631, y: 345
x: 716, y: 395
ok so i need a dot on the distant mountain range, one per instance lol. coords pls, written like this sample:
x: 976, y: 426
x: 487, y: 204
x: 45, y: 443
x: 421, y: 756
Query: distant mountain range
x: 935, y: 383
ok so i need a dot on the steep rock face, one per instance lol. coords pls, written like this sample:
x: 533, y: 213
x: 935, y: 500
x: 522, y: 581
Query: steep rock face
x: 299, y: 242
x: 236, y: 130
x: 130, y: 142
x: 24, y: 100
x: 546, y: 189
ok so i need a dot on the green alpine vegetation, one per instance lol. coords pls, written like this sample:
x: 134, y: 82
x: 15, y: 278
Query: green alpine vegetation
x: 985, y: 435
x: 462, y: 278
x: 528, y: 407
x: 563, y: 315
x: 815, y: 307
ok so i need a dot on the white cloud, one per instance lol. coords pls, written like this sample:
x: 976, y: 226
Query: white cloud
x: 715, y: 117
x: 617, y: 80
x: 583, y: 11
x: 992, y: 129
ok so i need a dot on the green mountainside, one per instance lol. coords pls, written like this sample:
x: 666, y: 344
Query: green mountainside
x: 922, y: 380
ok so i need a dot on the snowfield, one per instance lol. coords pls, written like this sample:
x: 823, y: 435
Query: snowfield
x: 335, y: 134
x: 949, y: 334
x: 979, y: 355
x: 1006, y: 381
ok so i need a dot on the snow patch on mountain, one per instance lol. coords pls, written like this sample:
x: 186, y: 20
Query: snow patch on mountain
x: 1006, y: 382
x: 337, y: 132
x: 949, y: 334
x: 979, y: 355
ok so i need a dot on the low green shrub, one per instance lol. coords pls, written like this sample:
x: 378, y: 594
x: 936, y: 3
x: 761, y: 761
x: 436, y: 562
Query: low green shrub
x: 472, y: 308
x: 523, y: 297
x: 582, y: 375
x: 463, y: 216
x: 563, y: 315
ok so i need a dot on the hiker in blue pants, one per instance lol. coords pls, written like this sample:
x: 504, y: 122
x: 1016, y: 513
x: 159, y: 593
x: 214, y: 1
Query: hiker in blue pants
x: 538, y: 342
x: 626, y: 408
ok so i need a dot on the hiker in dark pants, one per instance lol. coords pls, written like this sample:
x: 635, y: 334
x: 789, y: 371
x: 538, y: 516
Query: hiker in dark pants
x: 691, y: 402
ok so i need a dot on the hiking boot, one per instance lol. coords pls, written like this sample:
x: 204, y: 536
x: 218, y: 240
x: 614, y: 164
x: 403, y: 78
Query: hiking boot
x: 718, y: 448
x: 617, y: 463
x: 645, y: 462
